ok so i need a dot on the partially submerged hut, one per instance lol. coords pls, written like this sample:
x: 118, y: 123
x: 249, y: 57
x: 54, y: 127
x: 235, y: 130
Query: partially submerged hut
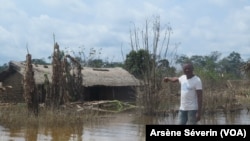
x: 98, y: 83
x: 109, y: 83
x: 13, y: 76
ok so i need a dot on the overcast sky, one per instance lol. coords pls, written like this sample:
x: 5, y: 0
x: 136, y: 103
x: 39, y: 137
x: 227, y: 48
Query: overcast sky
x: 200, y: 26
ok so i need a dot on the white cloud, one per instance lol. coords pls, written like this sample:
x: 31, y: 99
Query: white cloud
x: 200, y: 26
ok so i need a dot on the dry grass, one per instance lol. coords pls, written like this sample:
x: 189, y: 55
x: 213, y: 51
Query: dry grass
x: 216, y: 98
x: 226, y: 100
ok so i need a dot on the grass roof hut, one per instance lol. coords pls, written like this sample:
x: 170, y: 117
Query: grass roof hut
x: 109, y: 83
x: 98, y: 83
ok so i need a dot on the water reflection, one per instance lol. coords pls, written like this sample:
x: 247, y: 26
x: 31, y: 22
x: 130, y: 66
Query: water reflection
x: 238, y: 117
x: 122, y: 127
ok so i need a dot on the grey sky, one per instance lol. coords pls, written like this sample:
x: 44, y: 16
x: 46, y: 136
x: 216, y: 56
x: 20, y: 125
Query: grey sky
x: 200, y: 26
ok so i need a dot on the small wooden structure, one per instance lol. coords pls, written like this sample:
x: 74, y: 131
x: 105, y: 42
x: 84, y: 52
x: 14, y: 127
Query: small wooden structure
x: 98, y: 83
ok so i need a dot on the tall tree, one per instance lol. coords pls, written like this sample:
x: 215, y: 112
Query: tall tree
x: 137, y: 62
x: 56, y: 86
x: 30, y: 90
x: 150, y: 52
x: 232, y: 64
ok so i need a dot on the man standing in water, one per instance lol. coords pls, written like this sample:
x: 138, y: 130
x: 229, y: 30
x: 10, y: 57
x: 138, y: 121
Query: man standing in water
x: 191, y: 95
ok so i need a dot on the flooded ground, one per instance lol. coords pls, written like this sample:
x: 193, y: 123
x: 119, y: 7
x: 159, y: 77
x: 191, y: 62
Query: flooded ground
x: 117, y: 127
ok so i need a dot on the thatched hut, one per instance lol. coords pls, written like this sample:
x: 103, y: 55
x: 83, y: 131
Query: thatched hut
x: 109, y: 83
x: 98, y: 83
x: 13, y: 76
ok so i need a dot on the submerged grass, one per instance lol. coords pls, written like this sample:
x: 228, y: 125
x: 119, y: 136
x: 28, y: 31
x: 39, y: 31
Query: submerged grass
x: 16, y: 115
x: 72, y: 115
x: 217, y: 98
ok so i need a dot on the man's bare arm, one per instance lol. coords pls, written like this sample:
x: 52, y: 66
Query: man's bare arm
x: 171, y: 79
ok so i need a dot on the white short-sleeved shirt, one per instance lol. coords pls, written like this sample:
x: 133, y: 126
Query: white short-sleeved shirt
x: 188, y: 92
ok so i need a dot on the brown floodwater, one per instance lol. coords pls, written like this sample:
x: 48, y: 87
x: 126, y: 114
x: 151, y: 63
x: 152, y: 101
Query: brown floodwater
x: 117, y: 127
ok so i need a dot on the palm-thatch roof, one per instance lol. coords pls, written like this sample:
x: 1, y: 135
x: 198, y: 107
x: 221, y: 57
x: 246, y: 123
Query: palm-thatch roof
x: 91, y: 76
x: 39, y: 70
x: 108, y: 77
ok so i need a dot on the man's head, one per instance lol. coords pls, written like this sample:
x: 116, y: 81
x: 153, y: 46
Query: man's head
x: 188, y: 69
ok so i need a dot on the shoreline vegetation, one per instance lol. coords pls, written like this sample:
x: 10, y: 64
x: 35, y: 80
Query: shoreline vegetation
x: 17, y: 115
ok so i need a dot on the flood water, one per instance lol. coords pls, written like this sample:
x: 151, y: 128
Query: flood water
x: 117, y: 127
